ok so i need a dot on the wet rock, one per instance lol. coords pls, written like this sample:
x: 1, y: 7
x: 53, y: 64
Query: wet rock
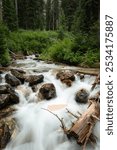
x: 4, y: 89
x: 82, y: 96
x: 67, y: 82
x: 6, y: 112
x: 34, y: 79
x: 34, y: 88
x: 18, y: 74
x: 14, y: 98
x: 7, y: 129
x: 47, y: 91
x: 19, y: 70
x: 4, y: 100
x: 81, y: 76
x: 7, y: 96
x: 8, y: 99
x: 1, y: 72
x: 12, y: 80
x: 66, y: 77
x: 66, y: 74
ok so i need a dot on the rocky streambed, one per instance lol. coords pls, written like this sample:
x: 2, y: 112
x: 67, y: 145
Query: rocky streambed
x: 27, y: 87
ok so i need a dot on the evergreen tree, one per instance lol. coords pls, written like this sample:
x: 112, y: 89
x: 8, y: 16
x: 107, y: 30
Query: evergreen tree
x: 0, y: 10
x: 48, y: 15
x: 9, y: 14
x: 31, y: 14
x: 69, y: 7
x: 86, y: 15
x: 55, y: 14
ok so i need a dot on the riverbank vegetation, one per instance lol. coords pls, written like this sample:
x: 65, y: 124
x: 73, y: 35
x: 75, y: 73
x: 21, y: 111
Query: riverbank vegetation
x: 58, y: 33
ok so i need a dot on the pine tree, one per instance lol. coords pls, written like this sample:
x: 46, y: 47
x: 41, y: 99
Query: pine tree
x: 55, y: 14
x: 48, y: 15
x: 86, y: 15
x: 0, y: 10
x: 9, y: 14
x: 69, y: 7
x: 31, y: 14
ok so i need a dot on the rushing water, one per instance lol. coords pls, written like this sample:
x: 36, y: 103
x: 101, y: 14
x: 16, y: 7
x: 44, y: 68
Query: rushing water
x: 37, y: 128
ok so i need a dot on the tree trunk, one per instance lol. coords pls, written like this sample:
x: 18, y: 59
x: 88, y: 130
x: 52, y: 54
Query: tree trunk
x: 16, y: 8
x: 1, y: 10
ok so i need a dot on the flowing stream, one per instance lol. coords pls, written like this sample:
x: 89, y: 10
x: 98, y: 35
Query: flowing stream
x: 37, y: 128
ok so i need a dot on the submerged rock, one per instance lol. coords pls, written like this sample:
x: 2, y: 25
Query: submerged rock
x: 7, y: 129
x: 47, y: 91
x: 66, y: 77
x: 34, y: 79
x: 82, y: 96
x: 12, y: 80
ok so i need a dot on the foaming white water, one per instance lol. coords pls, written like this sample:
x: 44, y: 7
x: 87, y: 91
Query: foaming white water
x: 40, y: 130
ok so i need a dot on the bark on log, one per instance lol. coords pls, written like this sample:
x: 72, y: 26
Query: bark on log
x: 82, y: 128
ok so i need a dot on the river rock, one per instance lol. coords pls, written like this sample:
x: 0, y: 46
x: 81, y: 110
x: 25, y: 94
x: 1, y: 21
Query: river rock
x: 34, y: 79
x: 7, y: 96
x: 47, y: 91
x: 82, y: 96
x: 7, y: 112
x: 18, y: 74
x: 8, y: 99
x: 4, y: 100
x: 4, y: 89
x: 7, y: 129
x: 66, y: 76
x: 12, y: 80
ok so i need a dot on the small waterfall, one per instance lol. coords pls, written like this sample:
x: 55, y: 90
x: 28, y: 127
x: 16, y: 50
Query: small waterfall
x: 37, y: 128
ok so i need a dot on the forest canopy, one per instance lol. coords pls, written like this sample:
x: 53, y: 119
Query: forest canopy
x: 52, y: 28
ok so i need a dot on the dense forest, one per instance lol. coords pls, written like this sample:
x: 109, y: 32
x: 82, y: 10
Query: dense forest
x: 64, y: 31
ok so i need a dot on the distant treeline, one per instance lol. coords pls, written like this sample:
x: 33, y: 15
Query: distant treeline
x: 71, y: 15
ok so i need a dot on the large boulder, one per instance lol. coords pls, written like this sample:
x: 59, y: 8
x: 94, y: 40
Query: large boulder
x: 7, y: 129
x: 82, y: 96
x: 18, y: 74
x: 66, y: 76
x: 7, y: 96
x: 34, y: 79
x: 12, y: 80
x: 47, y: 91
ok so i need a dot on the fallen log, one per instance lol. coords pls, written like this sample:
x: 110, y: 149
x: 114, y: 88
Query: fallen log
x: 81, y: 129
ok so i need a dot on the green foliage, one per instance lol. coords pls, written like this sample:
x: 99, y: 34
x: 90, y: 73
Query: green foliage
x: 30, y: 42
x: 73, y: 51
x: 4, y: 54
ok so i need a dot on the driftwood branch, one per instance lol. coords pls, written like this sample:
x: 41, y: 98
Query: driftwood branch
x: 60, y: 119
